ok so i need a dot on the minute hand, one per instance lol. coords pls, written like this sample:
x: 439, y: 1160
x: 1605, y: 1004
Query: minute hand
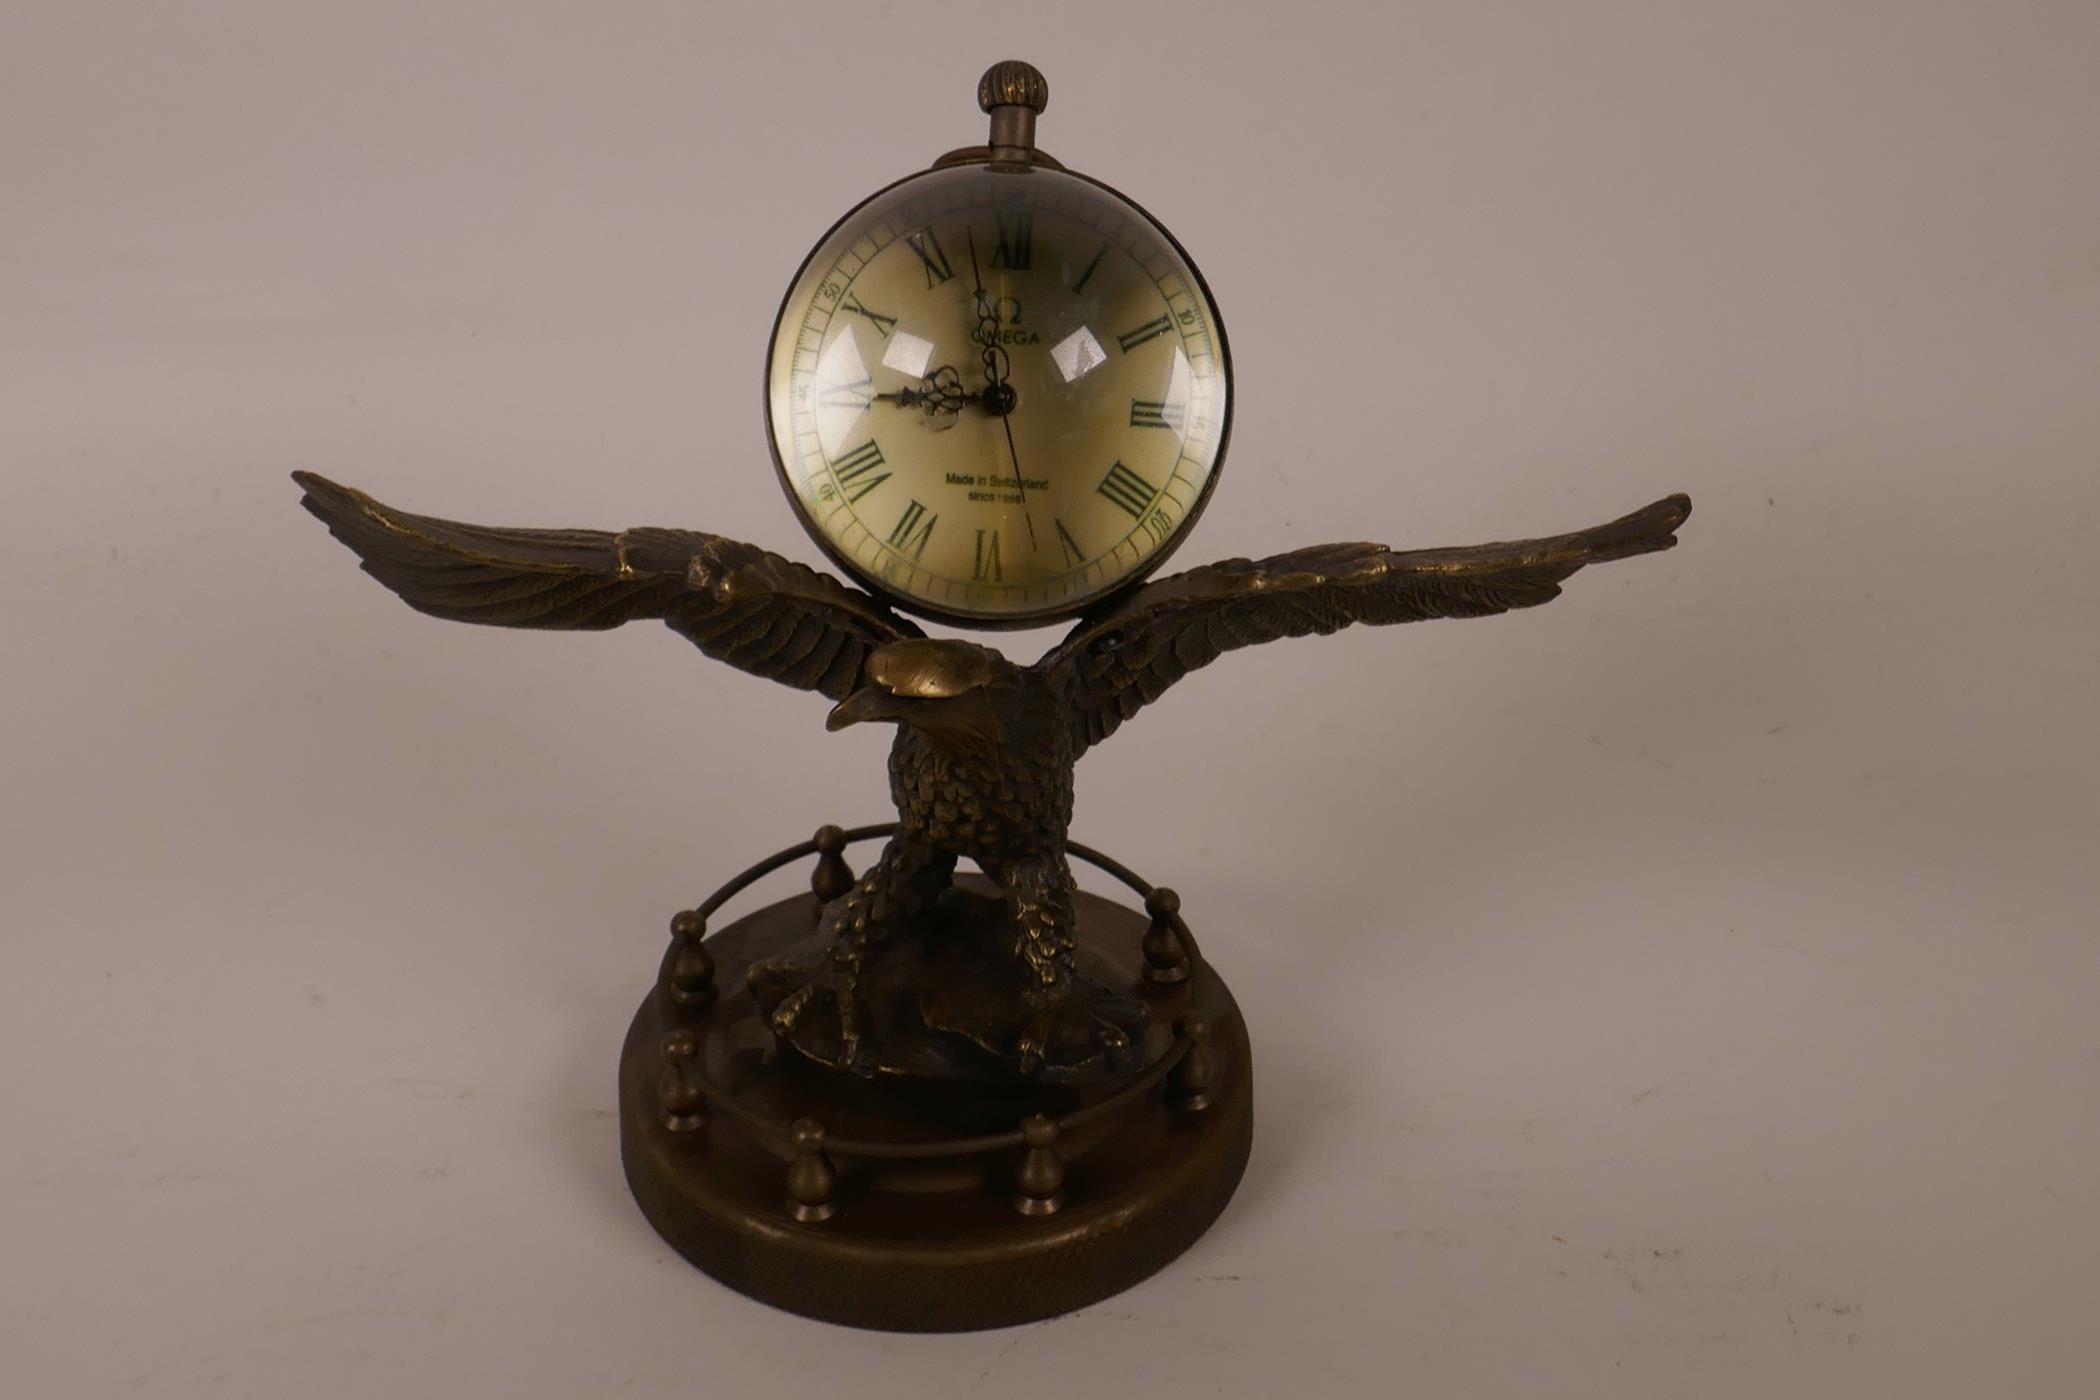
x: 998, y: 394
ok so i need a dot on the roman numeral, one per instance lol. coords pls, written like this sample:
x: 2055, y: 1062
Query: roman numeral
x: 913, y: 530
x: 1145, y: 413
x: 1080, y: 285
x: 1016, y: 245
x: 1131, y: 340
x: 929, y: 250
x: 858, y: 394
x: 855, y: 470
x: 987, y: 568
x: 1128, y: 490
x: 1074, y: 555
x: 882, y: 323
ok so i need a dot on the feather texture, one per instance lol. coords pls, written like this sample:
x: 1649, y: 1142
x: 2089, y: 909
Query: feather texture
x: 738, y: 603
x: 1122, y: 659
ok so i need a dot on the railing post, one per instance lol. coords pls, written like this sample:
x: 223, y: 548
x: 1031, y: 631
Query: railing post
x: 683, y: 1108
x: 1038, y: 1186
x: 1166, y: 955
x: 811, y: 1178
x: 832, y: 877
x: 1188, y: 1087
x: 691, y: 977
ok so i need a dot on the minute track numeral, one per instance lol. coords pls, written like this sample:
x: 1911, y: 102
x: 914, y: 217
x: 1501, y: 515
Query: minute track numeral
x: 938, y: 269
x: 1128, y: 490
x: 986, y: 569
x: 1016, y: 246
x: 914, y: 529
x: 1132, y: 339
x: 856, y: 471
x: 1149, y: 413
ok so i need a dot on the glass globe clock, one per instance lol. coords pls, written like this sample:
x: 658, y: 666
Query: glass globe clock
x: 998, y: 391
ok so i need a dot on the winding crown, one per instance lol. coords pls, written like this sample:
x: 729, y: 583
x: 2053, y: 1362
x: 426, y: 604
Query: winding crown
x: 1012, y: 83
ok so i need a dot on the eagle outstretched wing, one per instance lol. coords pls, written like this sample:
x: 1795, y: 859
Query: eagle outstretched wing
x: 738, y: 603
x: 1118, y: 661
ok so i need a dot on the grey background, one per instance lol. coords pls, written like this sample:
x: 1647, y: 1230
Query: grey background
x: 1686, y: 988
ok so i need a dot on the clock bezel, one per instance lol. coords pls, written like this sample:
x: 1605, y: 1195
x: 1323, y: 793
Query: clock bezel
x: 1003, y: 621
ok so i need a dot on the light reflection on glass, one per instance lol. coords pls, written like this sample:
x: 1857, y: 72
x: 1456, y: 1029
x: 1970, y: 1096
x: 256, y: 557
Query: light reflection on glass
x: 1179, y: 383
x: 908, y: 354
x: 1078, y: 355
x: 844, y: 388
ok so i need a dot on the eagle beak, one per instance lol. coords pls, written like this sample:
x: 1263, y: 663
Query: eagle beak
x: 867, y: 703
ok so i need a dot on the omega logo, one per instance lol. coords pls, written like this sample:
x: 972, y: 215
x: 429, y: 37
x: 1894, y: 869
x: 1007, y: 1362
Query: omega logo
x: 1006, y: 315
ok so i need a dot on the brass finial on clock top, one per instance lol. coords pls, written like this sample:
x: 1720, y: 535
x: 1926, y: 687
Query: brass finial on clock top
x: 1012, y: 83
x: 998, y: 394
x: 1014, y: 94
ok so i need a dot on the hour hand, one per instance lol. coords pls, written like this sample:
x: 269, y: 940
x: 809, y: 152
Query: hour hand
x: 940, y: 393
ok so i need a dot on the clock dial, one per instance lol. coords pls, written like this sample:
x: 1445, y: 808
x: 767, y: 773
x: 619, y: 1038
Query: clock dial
x: 997, y: 394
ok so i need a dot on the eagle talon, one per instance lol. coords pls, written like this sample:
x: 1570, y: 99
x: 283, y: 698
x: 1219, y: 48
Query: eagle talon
x: 1068, y: 1010
x: 828, y: 980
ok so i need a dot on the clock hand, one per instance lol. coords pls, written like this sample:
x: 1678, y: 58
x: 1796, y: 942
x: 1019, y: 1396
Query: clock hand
x: 1006, y: 421
x: 949, y: 398
x: 939, y: 392
x: 998, y: 394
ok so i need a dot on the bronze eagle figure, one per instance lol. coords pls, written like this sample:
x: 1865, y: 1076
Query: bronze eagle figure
x: 981, y: 767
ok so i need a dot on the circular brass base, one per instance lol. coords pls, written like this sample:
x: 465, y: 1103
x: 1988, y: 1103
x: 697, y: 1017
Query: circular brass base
x: 910, y: 1206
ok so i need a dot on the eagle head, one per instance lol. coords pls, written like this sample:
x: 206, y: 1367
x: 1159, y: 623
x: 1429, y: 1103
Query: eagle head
x: 938, y: 685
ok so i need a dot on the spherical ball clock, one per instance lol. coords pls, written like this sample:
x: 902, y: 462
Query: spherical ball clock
x: 998, y: 391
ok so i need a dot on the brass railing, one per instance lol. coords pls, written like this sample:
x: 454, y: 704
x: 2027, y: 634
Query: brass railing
x: 688, y: 1095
